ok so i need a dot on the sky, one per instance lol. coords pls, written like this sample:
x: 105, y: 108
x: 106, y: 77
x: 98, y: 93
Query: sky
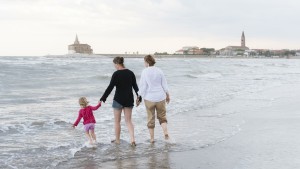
x: 42, y: 27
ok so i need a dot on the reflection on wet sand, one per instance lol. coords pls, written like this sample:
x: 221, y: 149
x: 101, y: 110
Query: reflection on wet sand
x: 119, y: 157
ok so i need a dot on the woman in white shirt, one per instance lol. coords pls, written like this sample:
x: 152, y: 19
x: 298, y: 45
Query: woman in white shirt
x: 154, y: 89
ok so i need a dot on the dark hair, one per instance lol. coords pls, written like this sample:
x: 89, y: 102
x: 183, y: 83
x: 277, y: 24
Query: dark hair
x: 119, y: 60
x: 150, y: 60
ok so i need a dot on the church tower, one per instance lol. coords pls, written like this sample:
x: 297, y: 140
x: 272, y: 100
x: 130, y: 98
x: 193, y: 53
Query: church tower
x: 243, y: 41
x: 76, y: 40
x: 79, y: 48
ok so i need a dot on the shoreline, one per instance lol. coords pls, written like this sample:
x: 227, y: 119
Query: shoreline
x: 268, y: 139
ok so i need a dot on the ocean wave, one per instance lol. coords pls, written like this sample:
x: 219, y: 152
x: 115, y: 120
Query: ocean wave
x: 192, y: 76
x: 32, y: 126
x: 103, y: 76
x: 206, y: 75
x: 212, y: 75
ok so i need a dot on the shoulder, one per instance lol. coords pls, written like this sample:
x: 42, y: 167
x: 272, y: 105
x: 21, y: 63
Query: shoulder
x: 144, y: 71
x: 129, y: 72
x: 116, y: 73
x: 158, y: 69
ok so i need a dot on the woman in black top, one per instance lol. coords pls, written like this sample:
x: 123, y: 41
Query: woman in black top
x: 124, y: 80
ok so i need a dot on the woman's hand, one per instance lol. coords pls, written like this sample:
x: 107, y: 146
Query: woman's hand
x: 138, y: 100
x: 168, y: 98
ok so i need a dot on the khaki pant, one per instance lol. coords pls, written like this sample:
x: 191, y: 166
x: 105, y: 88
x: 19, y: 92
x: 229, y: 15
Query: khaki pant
x: 160, y: 108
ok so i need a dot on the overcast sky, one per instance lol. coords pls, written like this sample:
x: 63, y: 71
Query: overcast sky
x: 40, y: 27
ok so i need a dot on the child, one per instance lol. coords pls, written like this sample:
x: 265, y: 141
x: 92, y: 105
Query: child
x: 86, y: 112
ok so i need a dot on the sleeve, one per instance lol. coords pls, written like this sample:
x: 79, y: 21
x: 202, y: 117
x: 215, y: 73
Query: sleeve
x: 134, y: 84
x: 96, y: 107
x: 78, y: 119
x: 164, y: 82
x: 142, y: 85
x: 109, y: 88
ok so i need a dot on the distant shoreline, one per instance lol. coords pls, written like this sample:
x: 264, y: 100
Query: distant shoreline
x: 195, y: 56
x: 163, y: 56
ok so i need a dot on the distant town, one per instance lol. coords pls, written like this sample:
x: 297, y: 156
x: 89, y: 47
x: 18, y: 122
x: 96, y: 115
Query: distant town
x: 195, y: 51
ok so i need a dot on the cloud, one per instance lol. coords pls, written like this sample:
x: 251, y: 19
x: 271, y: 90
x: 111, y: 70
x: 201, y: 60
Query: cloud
x: 34, y: 25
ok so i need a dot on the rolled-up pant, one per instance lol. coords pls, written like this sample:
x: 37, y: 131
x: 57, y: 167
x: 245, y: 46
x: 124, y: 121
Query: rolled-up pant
x: 159, y: 108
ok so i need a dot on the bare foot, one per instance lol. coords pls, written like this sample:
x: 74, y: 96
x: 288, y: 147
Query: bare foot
x: 133, y: 144
x: 167, y: 137
x: 115, y: 141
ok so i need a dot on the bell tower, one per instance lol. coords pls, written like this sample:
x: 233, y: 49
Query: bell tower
x: 76, y: 40
x: 243, y: 41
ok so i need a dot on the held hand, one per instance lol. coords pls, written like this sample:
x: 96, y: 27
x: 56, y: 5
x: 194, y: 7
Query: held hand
x: 103, y: 100
x: 137, y: 102
x: 73, y: 126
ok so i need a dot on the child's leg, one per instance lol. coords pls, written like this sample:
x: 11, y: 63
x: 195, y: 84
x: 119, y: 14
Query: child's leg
x: 89, y: 137
x: 93, y: 135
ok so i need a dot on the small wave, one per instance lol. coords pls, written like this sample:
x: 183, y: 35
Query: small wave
x: 207, y: 75
x: 104, y: 76
x: 241, y: 65
x: 218, y: 115
x: 192, y: 76
x: 212, y: 75
x: 31, y: 126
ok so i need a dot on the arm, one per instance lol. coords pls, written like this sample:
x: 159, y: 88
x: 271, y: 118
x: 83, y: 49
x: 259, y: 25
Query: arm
x: 165, y: 87
x: 96, y: 107
x: 78, y: 119
x: 168, y: 98
x: 142, y: 85
x: 109, y: 88
x: 134, y: 85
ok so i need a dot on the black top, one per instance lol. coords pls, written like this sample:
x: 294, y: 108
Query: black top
x: 124, y: 80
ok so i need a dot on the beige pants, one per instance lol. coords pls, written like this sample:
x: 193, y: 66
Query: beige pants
x: 160, y: 108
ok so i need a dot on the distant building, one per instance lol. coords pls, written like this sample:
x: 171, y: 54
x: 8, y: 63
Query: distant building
x: 79, y: 48
x: 189, y: 50
x: 235, y: 50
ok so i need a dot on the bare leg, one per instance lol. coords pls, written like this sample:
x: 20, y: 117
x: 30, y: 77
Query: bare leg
x: 117, y: 114
x: 127, y: 113
x: 151, y: 131
x: 89, y: 137
x: 93, y: 135
x: 165, y: 129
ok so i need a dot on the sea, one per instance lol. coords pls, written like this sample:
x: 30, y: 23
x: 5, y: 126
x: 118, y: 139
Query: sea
x: 39, y: 103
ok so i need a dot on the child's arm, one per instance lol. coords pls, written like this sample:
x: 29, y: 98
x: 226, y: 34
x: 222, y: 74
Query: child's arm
x: 77, y: 120
x: 96, y: 107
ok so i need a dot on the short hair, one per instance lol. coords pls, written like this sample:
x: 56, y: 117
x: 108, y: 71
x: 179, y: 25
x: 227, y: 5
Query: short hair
x: 83, y: 101
x: 119, y: 60
x: 150, y: 60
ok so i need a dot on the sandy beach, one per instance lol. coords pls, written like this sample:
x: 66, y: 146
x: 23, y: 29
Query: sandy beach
x: 268, y: 140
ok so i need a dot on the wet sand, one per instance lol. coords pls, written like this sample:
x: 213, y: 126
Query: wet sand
x: 268, y: 139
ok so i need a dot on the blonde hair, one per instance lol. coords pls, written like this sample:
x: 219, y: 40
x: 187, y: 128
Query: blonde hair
x: 83, y: 102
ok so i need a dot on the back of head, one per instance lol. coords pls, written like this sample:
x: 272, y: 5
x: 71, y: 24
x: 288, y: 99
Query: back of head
x: 83, y: 102
x: 150, y: 60
x: 119, y: 60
